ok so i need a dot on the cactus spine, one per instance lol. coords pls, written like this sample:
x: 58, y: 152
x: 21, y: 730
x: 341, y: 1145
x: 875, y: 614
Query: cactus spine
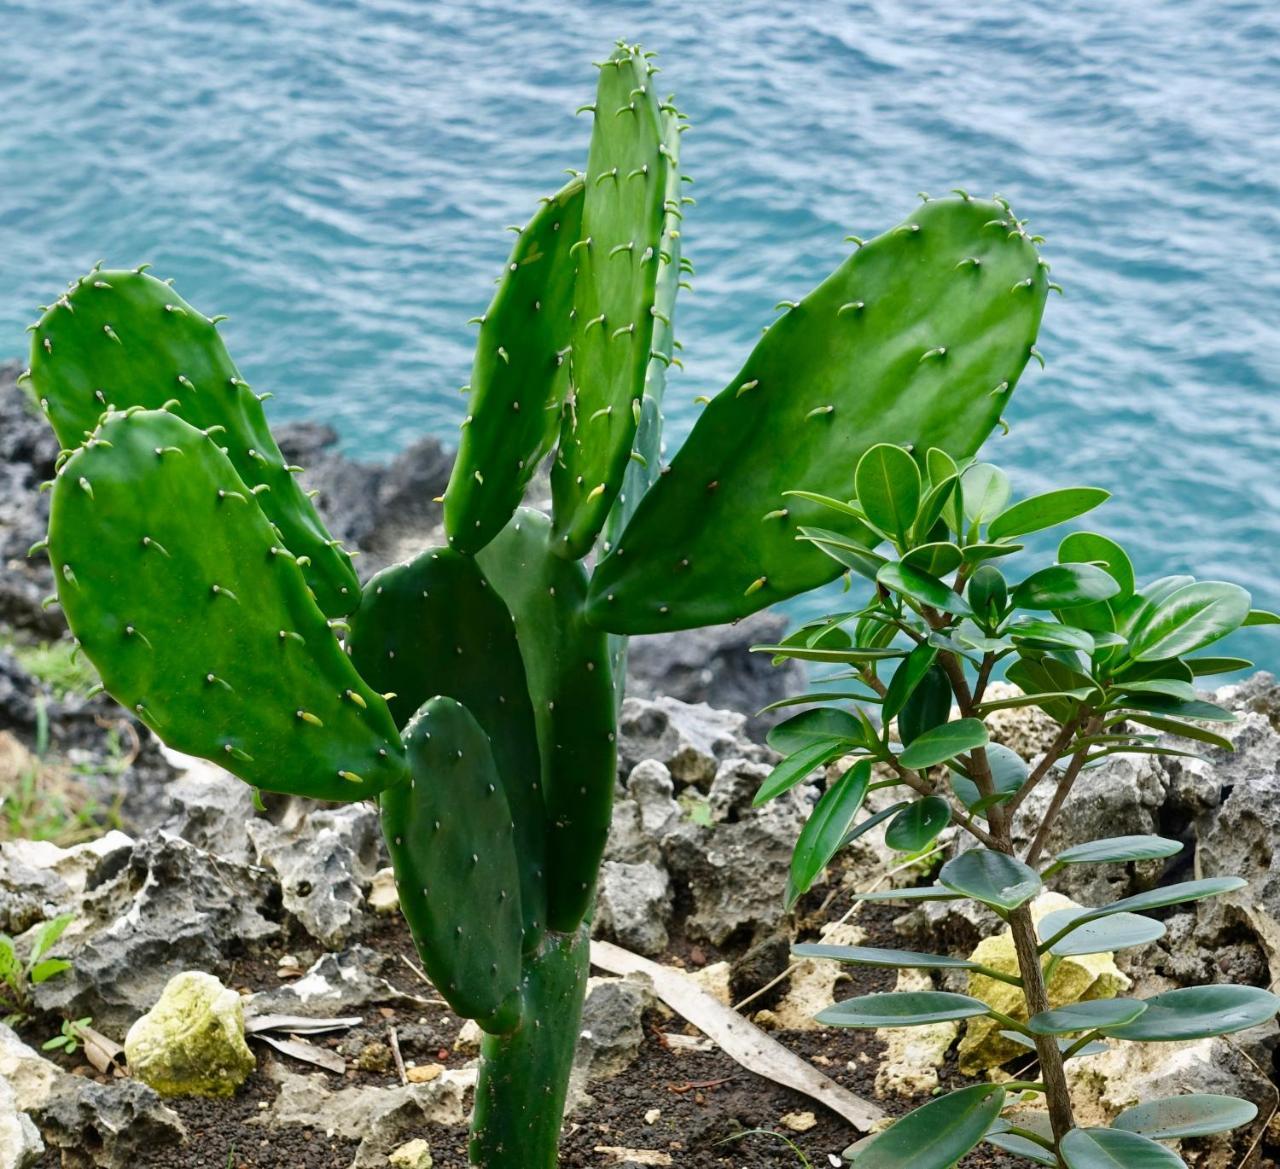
x: 475, y: 690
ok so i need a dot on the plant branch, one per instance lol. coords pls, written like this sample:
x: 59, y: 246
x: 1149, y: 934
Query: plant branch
x: 1065, y: 784
x: 1057, y: 749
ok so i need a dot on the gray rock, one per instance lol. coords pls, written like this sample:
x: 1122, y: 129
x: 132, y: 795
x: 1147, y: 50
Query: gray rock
x: 212, y: 809
x: 336, y: 984
x: 634, y: 906
x: 612, y: 1028
x: 689, y: 740
x: 151, y: 911
x: 106, y: 1126
x: 20, y: 1143
x: 381, y: 1119
x: 30, y: 1076
x: 651, y: 788
x: 325, y: 860
x: 716, y: 666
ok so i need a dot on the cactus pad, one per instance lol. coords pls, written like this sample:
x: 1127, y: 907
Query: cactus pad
x: 435, y: 626
x: 199, y: 620
x: 449, y: 831
x: 567, y: 666
x: 614, y: 298
x: 918, y: 338
x: 121, y: 339
x: 519, y: 377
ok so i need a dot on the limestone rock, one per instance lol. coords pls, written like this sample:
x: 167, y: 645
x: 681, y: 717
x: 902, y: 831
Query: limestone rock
x: 689, y: 739
x: 191, y: 1043
x: 633, y: 906
x: 913, y: 1055
x: 1090, y: 976
x: 416, y: 1154
x: 117, y: 1125
x: 383, y: 896
x: 20, y: 1143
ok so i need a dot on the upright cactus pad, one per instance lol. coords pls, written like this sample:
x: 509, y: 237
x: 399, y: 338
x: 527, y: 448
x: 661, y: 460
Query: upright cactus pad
x: 519, y: 377
x: 450, y: 832
x: 199, y: 620
x: 435, y: 626
x: 123, y: 338
x: 570, y: 683
x: 918, y: 338
x: 614, y: 298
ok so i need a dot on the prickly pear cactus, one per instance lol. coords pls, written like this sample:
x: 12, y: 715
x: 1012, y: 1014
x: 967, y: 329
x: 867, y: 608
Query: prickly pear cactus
x: 520, y: 375
x: 199, y: 620
x: 615, y: 297
x: 567, y: 667
x: 451, y: 837
x: 918, y: 338
x: 123, y: 338
x: 435, y: 626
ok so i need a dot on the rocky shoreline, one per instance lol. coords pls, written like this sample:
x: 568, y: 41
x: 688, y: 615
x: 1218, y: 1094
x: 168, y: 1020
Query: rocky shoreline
x: 170, y: 867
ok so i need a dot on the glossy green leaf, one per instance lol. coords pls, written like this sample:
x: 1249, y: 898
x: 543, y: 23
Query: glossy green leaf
x: 850, y: 656
x: 1199, y: 1012
x: 842, y: 507
x: 1115, y: 849
x: 939, y: 558
x: 45, y: 969
x: 1062, y: 586
x: 815, y: 696
x: 1206, y: 666
x: 1036, y: 634
x: 1183, y: 730
x: 845, y: 551
x: 1182, y: 893
x: 922, y: 588
x: 883, y: 959
x: 887, y: 485
x: 986, y: 491
x: 929, y: 706
x: 1045, y: 511
x: 936, y: 1135
x: 993, y: 878
x: 918, y: 824
x: 1116, y: 931
x: 944, y: 743
x: 906, y: 678
x: 1091, y: 548
x: 871, y: 822
x: 825, y: 830
x: 1109, y: 1148
x: 1019, y: 1146
x: 1188, y: 619
x: 988, y: 593
x: 1174, y: 1118
x: 938, y: 505
x: 798, y: 767
x: 1261, y: 617
x: 1164, y: 687
x: 977, y: 553
x: 915, y: 1008
x: 1086, y: 1016
x: 1178, y: 708
x: 915, y: 893
x: 812, y: 726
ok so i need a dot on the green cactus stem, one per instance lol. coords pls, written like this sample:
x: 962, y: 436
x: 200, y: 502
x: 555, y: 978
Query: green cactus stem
x: 450, y: 834
x: 524, y: 1076
x: 122, y: 339
x: 198, y: 619
x: 436, y: 626
x: 519, y: 377
x: 566, y: 663
x: 614, y: 298
x: 919, y: 337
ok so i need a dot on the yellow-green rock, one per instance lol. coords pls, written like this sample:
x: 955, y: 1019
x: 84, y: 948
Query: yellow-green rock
x: 1091, y: 976
x: 191, y: 1043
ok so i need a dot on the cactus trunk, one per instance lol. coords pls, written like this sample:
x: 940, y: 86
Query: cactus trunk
x: 524, y: 1076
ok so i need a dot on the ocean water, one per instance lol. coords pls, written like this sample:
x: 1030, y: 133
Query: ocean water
x: 337, y: 176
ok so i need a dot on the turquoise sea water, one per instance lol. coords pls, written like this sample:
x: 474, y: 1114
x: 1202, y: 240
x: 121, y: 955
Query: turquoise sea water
x: 337, y: 176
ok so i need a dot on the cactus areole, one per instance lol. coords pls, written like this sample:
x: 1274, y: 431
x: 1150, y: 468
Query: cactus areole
x: 473, y: 691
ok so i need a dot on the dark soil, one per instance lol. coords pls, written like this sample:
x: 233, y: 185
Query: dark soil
x: 706, y: 1104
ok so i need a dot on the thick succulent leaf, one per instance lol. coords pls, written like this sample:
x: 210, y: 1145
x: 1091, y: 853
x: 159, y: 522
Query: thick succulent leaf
x: 928, y: 706
x: 1086, y: 1016
x: 1118, y: 931
x: 918, y: 824
x: 997, y: 880
x: 909, y: 674
x: 887, y: 485
x: 1188, y: 619
x: 1008, y: 773
x: 813, y: 726
x: 1117, y: 849
x: 799, y: 766
x: 882, y: 958
x: 1107, y: 1148
x: 938, y: 1134
x: 1174, y: 1118
x: 1199, y: 1012
x: 1045, y: 511
x: 916, y: 1008
x: 986, y: 490
x: 919, y: 586
x: 1063, y: 586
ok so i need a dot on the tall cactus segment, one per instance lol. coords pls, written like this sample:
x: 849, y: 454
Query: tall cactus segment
x: 614, y: 312
x: 918, y: 338
x: 198, y: 620
x: 450, y: 834
x: 124, y: 338
x: 519, y: 377
x: 567, y: 665
x: 436, y: 626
